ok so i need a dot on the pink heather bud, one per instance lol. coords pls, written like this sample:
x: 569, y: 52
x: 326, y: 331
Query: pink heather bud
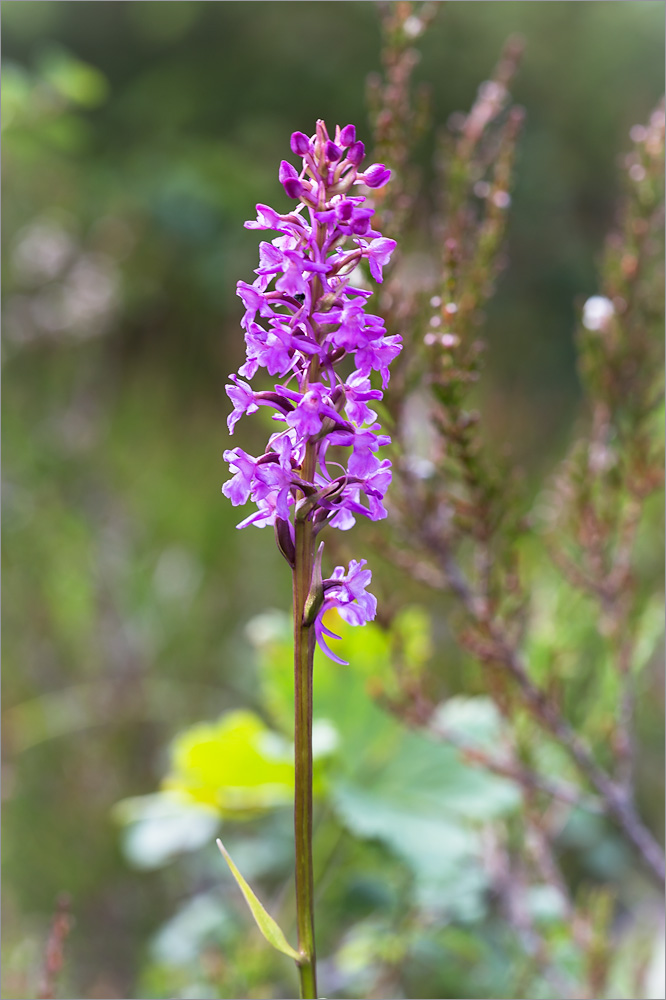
x: 290, y: 180
x: 300, y: 144
x: 333, y: 152
x: 347, y: 135
x: 356, y: 152
x: 376, y: 175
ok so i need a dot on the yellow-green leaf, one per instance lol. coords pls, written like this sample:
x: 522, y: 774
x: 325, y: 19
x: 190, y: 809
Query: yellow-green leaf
x: 268, y: 927
x: 237, y: 765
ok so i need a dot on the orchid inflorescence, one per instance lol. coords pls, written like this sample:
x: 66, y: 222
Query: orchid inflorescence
x: 304, y: 316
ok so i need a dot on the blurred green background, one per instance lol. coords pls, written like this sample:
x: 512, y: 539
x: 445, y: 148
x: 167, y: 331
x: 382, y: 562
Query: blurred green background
x: 137, y: 139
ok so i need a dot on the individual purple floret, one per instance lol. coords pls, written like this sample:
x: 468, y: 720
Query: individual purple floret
x: 306, y: 322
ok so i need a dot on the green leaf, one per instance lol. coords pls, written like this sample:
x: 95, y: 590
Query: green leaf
x: 237, y: 764
x: 268, y: 927
x: 241, y: 767
x: 428, y: 807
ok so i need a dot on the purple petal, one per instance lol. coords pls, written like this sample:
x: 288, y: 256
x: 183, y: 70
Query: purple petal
x: 320, y: 631
x: 300, y: 144
x: 355, y: 153
x: 347, y: 135
x: 376, y: 175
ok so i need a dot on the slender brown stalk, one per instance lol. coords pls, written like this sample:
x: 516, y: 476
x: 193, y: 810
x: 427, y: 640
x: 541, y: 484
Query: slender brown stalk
x: 498, y: 650
x: 55, y: 945
x: 304, y: 643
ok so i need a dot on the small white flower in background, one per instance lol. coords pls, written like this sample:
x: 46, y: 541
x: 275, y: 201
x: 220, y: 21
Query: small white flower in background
x: 413, y: 27
x: 597, y: 312
x: 502, y: 199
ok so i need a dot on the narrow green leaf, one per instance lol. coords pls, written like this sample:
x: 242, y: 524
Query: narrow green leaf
x: 268, y: 927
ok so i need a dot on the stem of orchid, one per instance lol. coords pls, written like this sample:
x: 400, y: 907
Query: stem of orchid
x: 304, y: 647
x: 304, y: 644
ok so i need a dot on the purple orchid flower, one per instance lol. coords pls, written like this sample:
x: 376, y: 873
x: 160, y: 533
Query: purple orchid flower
x: 302, y: 319
x: 347, y: 593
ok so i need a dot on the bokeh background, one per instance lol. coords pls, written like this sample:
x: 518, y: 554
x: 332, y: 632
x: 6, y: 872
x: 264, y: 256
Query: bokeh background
x: 137, y: 138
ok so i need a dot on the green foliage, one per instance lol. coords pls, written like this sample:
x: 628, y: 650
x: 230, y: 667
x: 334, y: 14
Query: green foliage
x: 73, y: 79
x: 159, y: 827
x: 236, y: 765
x: 136, y: 139
x: 415, y: 796
x: 378, y: 784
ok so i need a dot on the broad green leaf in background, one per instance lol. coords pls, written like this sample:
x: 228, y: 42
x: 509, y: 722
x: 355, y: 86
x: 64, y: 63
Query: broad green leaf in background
x: 265, y: 922
x: 442, y: 853
x: 239, y: 766
x: 236, y: 764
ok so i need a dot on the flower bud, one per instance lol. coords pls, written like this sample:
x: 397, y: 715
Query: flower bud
x: 285, y: 540
x: 300, y: 144
x: 290, y: 180
x: 347, y: 136
x: 376, y: 175
x: 333, y: 152
x: 356, y: 152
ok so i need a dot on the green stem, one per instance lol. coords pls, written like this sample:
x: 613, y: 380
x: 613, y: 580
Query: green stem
x: 304, y: 645
x: 304, y: 642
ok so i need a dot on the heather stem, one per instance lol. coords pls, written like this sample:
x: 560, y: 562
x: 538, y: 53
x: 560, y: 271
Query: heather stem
x: 304, y: 643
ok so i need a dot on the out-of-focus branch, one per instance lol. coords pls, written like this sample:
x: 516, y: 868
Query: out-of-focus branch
x: 449, y: 497
x: 602, y: 487
x: 417, y: 712
x: 54, y: 956
x: 491, y: 647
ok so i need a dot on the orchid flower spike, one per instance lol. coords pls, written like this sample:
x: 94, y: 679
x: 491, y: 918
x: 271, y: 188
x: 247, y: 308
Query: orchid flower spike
x: 305, y: 314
